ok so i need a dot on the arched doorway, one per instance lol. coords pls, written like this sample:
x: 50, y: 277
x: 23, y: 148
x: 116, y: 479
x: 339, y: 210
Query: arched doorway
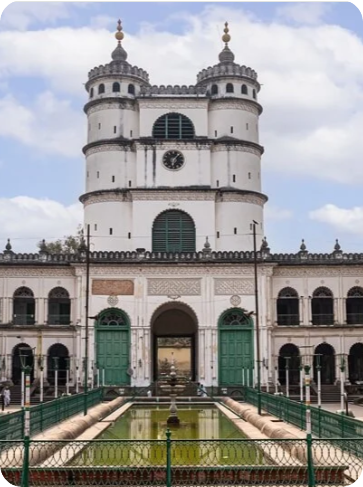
x: 113, y: 346
x: 58, y: 356
x: 288, y: 307
x: 236, y: 354
x: 289, y: 355
x: 175, y: 337
x: 355, y: 362
x: 23, y: 306
x: 25, y: 350
x: 325, y: 354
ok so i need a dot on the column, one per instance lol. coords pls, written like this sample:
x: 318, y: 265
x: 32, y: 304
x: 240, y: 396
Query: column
x: 201, y: 360
x: 336, y: 311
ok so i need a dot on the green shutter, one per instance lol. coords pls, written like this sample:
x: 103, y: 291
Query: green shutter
x: 173, y: 231
x: 173, y: 126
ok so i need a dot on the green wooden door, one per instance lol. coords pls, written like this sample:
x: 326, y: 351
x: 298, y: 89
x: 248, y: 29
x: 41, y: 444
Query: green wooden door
x: 235, y: 347
x: 113, y: 355
x: 113, y: 347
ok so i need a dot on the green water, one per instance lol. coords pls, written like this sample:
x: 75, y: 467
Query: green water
x: 141, y: 423
x: 205, y: 438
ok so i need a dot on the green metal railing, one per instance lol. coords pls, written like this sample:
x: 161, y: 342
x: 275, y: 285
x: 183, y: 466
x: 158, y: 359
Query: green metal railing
x: 324, y: 424
x: 47, y: 414
x: 169, y: 462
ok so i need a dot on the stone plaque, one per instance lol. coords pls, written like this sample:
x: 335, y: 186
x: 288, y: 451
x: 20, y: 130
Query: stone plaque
x: 112, y: 287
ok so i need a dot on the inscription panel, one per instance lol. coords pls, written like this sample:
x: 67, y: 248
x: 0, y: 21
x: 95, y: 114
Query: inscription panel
x: 112, y: 287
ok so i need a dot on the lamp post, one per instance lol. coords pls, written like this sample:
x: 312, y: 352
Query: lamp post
x: 68, y: 362
x: 56, y: 368
x: 287, y: 376
x: 41, y: 368
x: 342, y: 382
x: 77, y: 376
x: 318, y: 377
x: 86, y: 317
x: 257, y: 320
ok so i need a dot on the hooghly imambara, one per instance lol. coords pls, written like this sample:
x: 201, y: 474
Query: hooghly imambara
x: 172, y: 197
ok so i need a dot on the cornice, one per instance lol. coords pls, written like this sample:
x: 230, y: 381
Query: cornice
x: 231, y: 102
x: 110, y: 102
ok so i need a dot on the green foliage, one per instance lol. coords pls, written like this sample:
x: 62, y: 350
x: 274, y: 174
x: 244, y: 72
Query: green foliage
x: 68, y: 245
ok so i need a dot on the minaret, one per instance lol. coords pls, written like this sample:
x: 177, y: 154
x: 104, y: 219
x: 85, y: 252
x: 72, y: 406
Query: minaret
x: 113, y: 124
x: 236, y: 154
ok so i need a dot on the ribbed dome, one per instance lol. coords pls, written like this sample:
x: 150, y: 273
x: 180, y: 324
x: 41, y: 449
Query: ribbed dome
x: 119, y: 54
x: 226, y: 56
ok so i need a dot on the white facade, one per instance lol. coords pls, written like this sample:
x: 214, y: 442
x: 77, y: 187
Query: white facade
x: 127, y: 187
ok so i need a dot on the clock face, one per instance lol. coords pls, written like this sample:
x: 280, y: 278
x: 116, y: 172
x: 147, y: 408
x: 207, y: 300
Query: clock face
x: 173, y: 159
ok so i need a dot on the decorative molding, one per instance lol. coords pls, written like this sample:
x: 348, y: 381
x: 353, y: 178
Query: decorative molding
x: 236, y: 148
x: 317, y: 271
x: 109, y: 148
x: 173, y: 195
x: 164, y: 145
x: 234, y: 104
x: 106, y: 287
x: 254, y: 199
x: 48, y: 271
x: 173, y: 90
x: 107, y: 198
x: 223, y: 287
x: 174, y: 287
x: 200, y: 271
x: 112, y: 105
x: 173, y: 104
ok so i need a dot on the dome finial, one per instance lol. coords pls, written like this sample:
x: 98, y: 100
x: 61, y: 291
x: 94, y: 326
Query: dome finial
x: 119, y: 34
x: 226, y: 37
x: 119, y: 54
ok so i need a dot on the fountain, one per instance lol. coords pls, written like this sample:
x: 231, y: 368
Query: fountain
x: 173, y: 417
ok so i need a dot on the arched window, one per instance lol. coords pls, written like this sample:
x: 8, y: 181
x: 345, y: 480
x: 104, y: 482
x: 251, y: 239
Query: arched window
x: 289, y: 364
x: 116, y: 87
x: 59, y: 307
x: 214, y: 89
x: 173, y: 231
x: 57, y: 359
x: 131, y: 89
x: 173, y: 126
x: 288, y: 307
x: 322, y: 307
x: 244, y: 90
x: 354, y: 306
x: 355, y: 362
x: 235, y: 317
x: 23, y: 306
x: 101, y: 89
x: 112, y: 318
x: 91, y: 93
x: 229, y: 88
x: 254, y: 93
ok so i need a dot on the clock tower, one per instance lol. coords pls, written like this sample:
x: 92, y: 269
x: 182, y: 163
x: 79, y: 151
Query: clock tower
x: 168, y: 166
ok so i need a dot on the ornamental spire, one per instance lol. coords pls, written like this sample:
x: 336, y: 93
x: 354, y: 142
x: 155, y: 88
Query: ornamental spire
x: 119, y: 54
x: 226, y: 56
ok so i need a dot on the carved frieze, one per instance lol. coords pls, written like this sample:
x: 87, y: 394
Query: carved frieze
x: 223, y: 287
x: 173, y: 195
x: 237, y: 147
x: 107, y: 198
x: 323, y: 271
x: 234, y: 105
x: 108, y: 148
x: 121, y: 105
x: 36, y: 272
x: 113, y: 287
x: 174, y: 287
x: 173, y: 104
x: 179, y: 145
x: 253, y: 199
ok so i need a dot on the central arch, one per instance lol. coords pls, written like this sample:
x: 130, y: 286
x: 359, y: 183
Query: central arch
x: 174, y: 329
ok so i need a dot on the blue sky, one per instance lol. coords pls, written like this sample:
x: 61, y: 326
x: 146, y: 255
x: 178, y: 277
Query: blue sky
x: 308, y: 57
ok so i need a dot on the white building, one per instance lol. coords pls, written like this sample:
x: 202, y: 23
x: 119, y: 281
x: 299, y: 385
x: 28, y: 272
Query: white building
x: 173, y: 186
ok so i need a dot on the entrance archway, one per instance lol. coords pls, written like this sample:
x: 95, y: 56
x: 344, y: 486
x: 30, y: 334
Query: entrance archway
x: 235, y: 347
x: 60, y: 352
x: 174, y: 336
x: 289, y: 355
x: 326, y: 354
x: 22, y: 349
x: 355, y: 362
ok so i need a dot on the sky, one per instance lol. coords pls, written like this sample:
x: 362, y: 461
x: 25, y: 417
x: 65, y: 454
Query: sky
x: 308, y: 57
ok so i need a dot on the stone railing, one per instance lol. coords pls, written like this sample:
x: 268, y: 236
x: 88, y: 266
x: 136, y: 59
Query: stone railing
x: 118, y: 68
x: 172, y: 90
x: 302, y: 258
x: 225, y: 70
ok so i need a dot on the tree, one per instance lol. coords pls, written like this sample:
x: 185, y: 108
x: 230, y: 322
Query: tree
x: 68, y: 245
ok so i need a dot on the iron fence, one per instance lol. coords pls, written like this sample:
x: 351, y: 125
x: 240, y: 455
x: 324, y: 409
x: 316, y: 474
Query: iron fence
x: 182, y: 463
x: 47, y: 414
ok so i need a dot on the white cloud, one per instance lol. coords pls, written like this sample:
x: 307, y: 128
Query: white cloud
x: 28, y: 220
x: 276, y: 214
x: 349, y: 220
x: 21, y: 15
x: 50, y: 124
x: 312, y: 79
x: 304, y: 13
